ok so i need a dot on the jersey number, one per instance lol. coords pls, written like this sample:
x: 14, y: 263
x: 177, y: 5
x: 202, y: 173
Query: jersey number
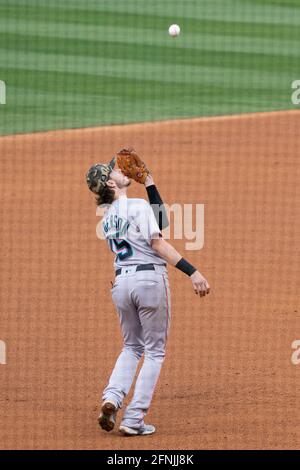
x: 121, y: 247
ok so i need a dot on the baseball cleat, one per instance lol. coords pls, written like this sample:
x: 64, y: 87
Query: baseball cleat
x: 107, y: 418
x: 144, y: 431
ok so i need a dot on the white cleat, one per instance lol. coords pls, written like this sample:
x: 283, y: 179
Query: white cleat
x: 146, y: 430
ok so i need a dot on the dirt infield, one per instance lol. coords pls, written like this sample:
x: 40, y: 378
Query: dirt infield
x: 228, y: 380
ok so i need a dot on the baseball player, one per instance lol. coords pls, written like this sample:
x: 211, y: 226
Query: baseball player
x: 140, y: 291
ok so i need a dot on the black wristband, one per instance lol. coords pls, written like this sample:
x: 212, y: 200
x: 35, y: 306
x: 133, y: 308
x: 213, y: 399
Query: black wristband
x: 185, y: 267
x: 153, y: 195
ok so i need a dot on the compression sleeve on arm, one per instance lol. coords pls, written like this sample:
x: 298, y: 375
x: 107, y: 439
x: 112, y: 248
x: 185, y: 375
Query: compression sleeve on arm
x: 185, y: 267
x: 158, y: 207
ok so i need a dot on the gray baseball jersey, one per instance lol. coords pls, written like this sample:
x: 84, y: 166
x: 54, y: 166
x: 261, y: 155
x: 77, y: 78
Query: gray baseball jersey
x: 142, y: 300
x: 129, y: 225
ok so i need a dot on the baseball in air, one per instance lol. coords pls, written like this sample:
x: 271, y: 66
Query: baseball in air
x: 174, y: 30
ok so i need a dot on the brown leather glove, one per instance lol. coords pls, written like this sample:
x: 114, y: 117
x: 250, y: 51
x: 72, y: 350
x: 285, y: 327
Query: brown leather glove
x: 132, y: 165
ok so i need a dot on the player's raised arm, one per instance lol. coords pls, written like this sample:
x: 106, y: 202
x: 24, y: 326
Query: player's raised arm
x: 169, y: 254
x: 156, y: 203
x: 133, y: 166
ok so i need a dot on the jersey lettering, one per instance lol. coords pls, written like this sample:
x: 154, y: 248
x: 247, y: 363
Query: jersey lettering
x: 122, y: 248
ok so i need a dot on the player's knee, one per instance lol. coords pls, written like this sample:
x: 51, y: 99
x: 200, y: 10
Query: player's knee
x: 157, y: 354
x: 137, y: 350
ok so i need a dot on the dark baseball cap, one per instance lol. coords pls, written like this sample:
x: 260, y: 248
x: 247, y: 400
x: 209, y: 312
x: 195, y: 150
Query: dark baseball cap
x: 98, y: 175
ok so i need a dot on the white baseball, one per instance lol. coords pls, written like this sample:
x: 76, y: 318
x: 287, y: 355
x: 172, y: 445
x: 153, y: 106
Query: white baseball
x: 174, y: 30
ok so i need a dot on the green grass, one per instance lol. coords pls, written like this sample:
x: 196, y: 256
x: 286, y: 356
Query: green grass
x: 76, y: 63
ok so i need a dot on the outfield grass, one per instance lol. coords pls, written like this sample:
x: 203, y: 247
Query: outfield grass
x: 78, y: 63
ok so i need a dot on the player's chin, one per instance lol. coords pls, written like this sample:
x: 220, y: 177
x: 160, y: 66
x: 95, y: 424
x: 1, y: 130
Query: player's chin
x: 128, y: 183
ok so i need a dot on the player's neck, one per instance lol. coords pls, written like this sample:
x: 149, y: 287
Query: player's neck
x: 119, y: 192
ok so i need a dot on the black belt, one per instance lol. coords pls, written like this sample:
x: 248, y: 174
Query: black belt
x: 140, y: 267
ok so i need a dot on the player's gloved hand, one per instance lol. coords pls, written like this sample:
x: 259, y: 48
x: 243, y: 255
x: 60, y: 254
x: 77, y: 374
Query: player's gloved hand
x: 200, y: 284
x: 132, y: 165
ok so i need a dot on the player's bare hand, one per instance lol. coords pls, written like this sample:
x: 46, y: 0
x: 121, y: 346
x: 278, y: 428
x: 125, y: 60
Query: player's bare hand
x: 149, y: 180
x: 200, y: 284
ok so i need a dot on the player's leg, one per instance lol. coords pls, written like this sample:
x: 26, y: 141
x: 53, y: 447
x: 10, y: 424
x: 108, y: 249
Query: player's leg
x: 154, y: 311
x: 125, y: 368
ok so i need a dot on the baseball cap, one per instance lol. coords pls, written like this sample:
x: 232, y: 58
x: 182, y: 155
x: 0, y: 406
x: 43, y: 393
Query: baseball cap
x: 98, y: 175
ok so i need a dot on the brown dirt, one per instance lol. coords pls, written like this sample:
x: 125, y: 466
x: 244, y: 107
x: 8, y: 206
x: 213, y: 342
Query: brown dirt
x: 228, y: 380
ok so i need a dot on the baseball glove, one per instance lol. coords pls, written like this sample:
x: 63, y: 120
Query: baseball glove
x: 131, y: 165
